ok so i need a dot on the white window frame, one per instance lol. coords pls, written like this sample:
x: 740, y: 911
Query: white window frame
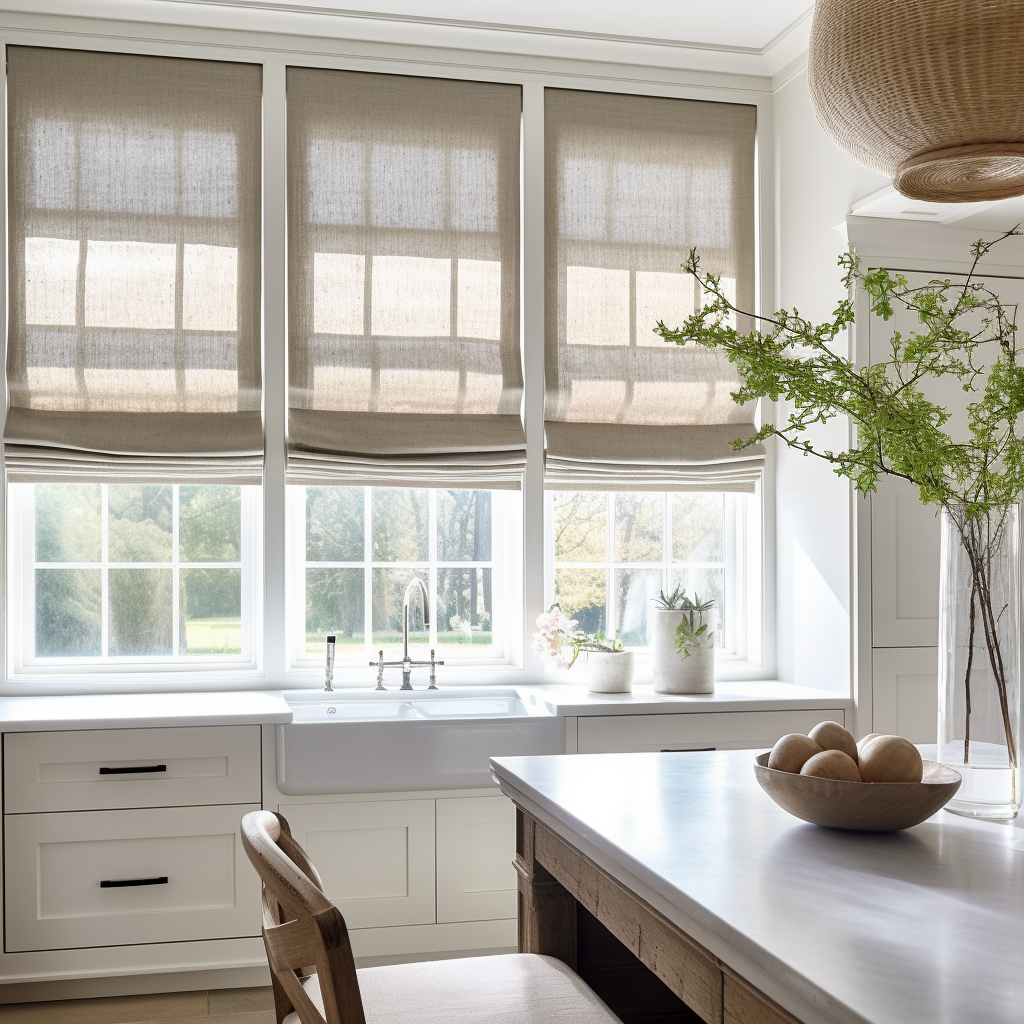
x: 504, y: 522
x: 21, y: 622
x: 428, y: 51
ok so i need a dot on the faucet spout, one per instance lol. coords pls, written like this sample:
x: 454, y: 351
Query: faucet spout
x: 406, y: 660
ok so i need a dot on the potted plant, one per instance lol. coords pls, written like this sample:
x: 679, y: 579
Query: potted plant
x: 682, y: 643
x: 974, y: 476
x: 609, y: 667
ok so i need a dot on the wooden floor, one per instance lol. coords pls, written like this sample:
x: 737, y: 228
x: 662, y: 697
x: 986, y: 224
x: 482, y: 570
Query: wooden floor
x: 225, y: 1006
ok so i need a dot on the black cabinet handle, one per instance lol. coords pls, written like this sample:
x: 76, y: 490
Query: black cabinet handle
x: 686, y: 750
x: 134, y: 769
x: 121, y: 883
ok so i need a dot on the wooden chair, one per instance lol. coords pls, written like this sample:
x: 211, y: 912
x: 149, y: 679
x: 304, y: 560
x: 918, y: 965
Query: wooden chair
x: 314, y: 975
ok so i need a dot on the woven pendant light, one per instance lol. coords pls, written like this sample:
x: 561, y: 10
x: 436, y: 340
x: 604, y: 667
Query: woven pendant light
x: 930, y: 92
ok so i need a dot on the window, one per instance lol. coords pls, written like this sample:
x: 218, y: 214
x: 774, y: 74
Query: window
x: 134, y: 574
x: 357, y: 549
x: 613, y: 552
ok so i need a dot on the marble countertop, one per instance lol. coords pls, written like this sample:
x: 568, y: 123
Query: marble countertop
x: 766, y: 695
x: 924, y: 926
x: 141, y: 710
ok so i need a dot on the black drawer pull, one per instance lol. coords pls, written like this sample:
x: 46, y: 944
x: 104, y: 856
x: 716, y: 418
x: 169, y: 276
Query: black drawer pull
x: 121, y: 883
x: 134, y: 769
x: 686, y: 750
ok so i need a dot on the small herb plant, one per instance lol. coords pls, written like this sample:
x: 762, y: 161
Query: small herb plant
x: 674, y: 600
x: 556, y: 631
x: 692, y: 632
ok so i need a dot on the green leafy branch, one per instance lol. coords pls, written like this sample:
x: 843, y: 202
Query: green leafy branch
x: 692, y: 632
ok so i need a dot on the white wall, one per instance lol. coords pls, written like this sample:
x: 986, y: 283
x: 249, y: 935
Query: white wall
x: 815, y: 187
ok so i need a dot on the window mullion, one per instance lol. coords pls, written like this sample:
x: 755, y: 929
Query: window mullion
x: 368, y: 572
x: 175, y: 579
x: 104, y: 571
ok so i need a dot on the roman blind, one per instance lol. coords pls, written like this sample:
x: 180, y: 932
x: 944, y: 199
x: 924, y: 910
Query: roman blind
x: 404, y: 359
x: 632, y: 182
x: 134, y: 326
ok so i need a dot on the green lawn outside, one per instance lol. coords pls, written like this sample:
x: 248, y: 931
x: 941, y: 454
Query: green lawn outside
x: 316, y: 644
x: 213, y: 636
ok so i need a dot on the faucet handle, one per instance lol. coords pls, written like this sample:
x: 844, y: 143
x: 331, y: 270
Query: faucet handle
x: 433, y: 674
x: 380, y: 670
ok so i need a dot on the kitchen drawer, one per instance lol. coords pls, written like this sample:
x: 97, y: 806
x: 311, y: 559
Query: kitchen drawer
x: 55, y: 865
x: 733, y: 730
x: 104, y: 769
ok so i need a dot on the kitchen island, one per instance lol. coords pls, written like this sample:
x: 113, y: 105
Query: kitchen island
x: 753, y: 917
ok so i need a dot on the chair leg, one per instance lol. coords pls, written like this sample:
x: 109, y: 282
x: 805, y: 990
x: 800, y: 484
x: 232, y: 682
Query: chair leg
x: 282, y: 1004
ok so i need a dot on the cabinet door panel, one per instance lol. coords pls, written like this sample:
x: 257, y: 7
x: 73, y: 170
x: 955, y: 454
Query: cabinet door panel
x: 376, y: 859
x: 170, y: 875
x: 904, y: 692
x: 904, y: 568
x: 476, y: 844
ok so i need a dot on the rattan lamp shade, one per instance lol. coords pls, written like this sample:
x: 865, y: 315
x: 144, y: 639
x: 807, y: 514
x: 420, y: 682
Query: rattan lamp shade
x: 930, y: 92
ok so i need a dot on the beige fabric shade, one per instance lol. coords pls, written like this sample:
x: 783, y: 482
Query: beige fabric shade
x: 633, y: 182
x: 403, y: 202
x: 134, y: 338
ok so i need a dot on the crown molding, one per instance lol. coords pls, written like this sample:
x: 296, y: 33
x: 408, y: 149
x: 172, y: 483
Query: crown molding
x: 331, y: 25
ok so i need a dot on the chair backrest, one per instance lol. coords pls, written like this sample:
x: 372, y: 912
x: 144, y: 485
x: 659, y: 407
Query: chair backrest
x: 302, y: 930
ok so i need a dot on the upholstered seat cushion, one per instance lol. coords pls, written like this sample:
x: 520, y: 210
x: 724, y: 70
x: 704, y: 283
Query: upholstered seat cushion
x: 519, y: 988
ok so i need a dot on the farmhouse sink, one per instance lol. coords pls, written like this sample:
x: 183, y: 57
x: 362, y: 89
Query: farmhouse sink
x: 371, y: 742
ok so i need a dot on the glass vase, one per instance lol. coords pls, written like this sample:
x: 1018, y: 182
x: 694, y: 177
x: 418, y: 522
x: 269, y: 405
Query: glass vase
x: 979, y: 659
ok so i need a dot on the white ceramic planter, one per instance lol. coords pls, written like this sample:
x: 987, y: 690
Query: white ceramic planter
x: 607, y: 671
x: 671, y: 673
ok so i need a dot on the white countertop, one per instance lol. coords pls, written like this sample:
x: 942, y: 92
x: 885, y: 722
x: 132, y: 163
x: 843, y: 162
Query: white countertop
x: 141, y: 710
x: 924, y: 926
x: 768, y: 695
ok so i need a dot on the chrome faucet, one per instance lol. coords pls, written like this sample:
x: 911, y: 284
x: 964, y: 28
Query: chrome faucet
x: 407, y: 663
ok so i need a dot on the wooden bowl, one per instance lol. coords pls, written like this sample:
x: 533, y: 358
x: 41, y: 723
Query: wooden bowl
x: 863, y: 806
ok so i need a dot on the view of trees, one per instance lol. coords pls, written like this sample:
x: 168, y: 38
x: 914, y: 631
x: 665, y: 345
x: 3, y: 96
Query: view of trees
x: 400, y: 533
x: 635, y: 555
x: 139, y: 532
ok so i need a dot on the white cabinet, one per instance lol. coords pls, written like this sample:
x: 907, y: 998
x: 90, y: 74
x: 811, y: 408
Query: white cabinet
x: 476, y: 843
x: 104, y: 769
x: 905, y: 692
x: 375, y: 858
x: 732, y: 730
x: 114, y: 878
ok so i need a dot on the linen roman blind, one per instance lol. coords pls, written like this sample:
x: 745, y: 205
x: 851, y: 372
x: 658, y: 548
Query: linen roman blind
x: 632, y: 182
x: 134, y: 328
x: 404, y: 361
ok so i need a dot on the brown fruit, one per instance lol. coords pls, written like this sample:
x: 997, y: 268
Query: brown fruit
x: 832, y: 764
x: 862, y: 743
x: 791, y: 753
x: 890, y: 759
x: 832, y: 736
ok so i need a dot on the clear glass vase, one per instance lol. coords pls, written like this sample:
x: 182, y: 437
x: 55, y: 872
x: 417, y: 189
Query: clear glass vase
x: 979, y: 660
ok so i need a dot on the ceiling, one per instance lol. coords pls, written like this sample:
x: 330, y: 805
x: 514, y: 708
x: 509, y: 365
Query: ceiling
x: 730, y: 24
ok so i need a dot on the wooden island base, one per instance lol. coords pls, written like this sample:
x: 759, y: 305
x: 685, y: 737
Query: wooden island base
x: 572, y: 909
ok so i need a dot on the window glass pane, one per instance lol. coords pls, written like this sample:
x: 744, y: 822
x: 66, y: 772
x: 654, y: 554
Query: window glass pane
x: 388, y: 590
x: 68, y: 523
x: 141, y: 611
x: 581, y: 526
x: 140, y: 523
x: 335, y: 603
x: 464, y: 526
x: 464, y: 606
x: 210, y: 611
x: 698, y: 527
x: 581, y: 594
x: 68, y: 613
x: 334, y: 524
x: 639, y: 521
x: 400, y: 525
x: 704, y: 584
x: 210, y: 524
x: 635, y: 589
